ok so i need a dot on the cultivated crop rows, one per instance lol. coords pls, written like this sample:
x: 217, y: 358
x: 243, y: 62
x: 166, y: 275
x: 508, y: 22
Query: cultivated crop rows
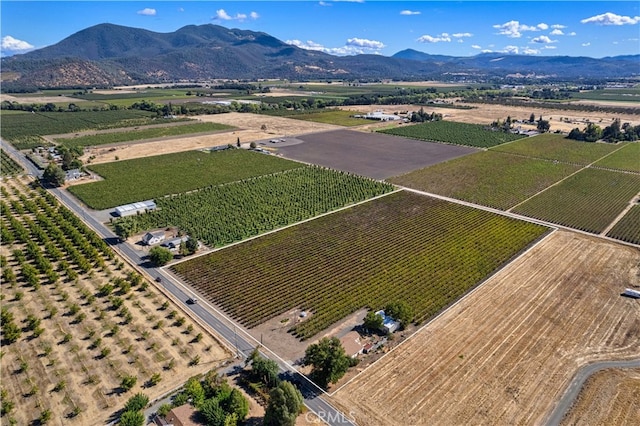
x: 628, y: 227
x: 15, y: 127
x: 76, y: 323
x: 140, y: 179
x: 402, y: 246
x: 589, y: 200
x: 626, y: 158
x: 488, y: 178
x: 222, y: 214
x: 455, y: 133
x: 8, y: 166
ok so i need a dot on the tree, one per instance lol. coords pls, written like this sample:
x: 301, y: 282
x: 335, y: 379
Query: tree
x: 128, y: 382
x: 194, y: 389
x: 238, y: 142
x: 532, y: 118
x: 54, y: 175
x: 373, y: 321
x: 236, y: 404
x: 132, y: 418
x: 160, y: 256
x: 264, y: 369
x: 328, y: 359
x: 543, y: 126
x: 213, y: 412
x: 137, y: 402
x: 285, y: 403
x: 400, y: 311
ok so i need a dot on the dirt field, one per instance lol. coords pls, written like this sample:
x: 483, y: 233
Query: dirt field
x: 609, y: 397
x: 249, y: 130
x: 505, y: 354
x: 375, y: 155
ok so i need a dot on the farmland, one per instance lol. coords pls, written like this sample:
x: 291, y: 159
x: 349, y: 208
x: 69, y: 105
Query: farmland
x: 488, y: 178
x: 139, y: 134
x: 222, y: 214
x: 506, y: 353
x: 628, y: 227
x: 8, y: 166
x: 556, y: 147
x: 330, y: 116
x: 589, y: 200
x: 76, y: 322
x: 401, y: 246
x: 140, y: 179
x: 455, y: 133
x: 15, y: 127
x: 625, y: 158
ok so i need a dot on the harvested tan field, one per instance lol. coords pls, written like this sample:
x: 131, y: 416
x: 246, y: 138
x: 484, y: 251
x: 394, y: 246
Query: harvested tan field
x: 249, y: 129
x: 37, y: 99
x: 505, y: 354
x: 609, y: 397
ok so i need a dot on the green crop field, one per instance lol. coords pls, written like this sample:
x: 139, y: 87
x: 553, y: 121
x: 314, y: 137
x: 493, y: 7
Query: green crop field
x: 589, y: 200
x: 139, y: 134
x: 552, y: 146
x: 627, y: 158
x: 628, y: 227
x: 454, y: 133
x: 627, y: 94
x: 402, y: 246
x: 487, y: 178
x: 16, y: 127
x: 146, y: 178
x: 219, y: 215
x: 8, y: 167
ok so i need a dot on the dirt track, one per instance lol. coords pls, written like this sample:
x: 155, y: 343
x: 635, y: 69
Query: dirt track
x: 506, y: 353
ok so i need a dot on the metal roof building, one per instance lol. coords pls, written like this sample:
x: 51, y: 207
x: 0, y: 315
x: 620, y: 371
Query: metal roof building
x: 135, y: 208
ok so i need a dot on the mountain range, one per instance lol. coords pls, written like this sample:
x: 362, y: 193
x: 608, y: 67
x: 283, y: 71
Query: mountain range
x: 106, y: 55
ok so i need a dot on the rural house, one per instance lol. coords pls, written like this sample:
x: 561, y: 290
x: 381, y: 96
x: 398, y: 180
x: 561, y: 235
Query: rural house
x: 351, y: 344
x: 389, y: 325
x: 151, y: 238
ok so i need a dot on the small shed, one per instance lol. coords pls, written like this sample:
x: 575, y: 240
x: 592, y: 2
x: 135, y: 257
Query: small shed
x: 389, y: 325
x: 151, y: 238
x: 629, y: 292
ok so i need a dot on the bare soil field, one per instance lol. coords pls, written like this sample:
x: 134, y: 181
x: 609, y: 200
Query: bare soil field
x: 37, y: 99
x: 250, y: 129
x: 563, y: 120
x: 505, y: 353
x: 375, y: 155
x: 609, y: 397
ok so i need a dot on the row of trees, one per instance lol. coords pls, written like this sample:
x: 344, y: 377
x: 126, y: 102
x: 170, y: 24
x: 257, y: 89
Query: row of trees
x: 612, y: 133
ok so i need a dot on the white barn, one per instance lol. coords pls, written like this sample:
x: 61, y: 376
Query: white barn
x: 135, y: 208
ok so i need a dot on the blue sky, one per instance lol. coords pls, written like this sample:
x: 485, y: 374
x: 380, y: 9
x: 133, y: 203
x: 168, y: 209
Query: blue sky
x: 459, y: 28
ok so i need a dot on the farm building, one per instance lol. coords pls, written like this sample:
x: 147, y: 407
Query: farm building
x: 179, y: 416
x: 629, y: 292
x: 380, y: 116
x: 135, y: 208
x: 351, y: 344
x: 174, y: 243
x: 389, y: 325
x: 73, y: 174
x: 151, y: 238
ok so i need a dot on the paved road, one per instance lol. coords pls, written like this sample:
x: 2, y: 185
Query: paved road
x: 578, y: 381
x: 232, y: 334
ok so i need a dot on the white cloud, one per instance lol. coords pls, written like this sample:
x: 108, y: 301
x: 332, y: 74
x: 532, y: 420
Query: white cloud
x: 530, y: 51
x: 511, y: 49
x: 514, y: 29
x: 409, y: 12
x: 572, y: 34
x: 354, y: 46
x: 550, y: 47
x: 367, y: 44
x: 558, y: 26
x: 222, y: 15
x: 13, y: 44
x: 556, y: 32
x: 461, y: 35
x: 147, y: 12
x: 436, y: 39
x: 586, y: 44
x: 542, y: 26
x: 542, y: 39
x: 611, y: 19
x: 475, y: 46
x: 324, y: 3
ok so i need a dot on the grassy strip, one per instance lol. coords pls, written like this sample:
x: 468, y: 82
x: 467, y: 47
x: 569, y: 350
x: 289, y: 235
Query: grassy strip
x: 149, y: 133
x: 146, y: 178
x: 487, y: 178
x: 454, y: 133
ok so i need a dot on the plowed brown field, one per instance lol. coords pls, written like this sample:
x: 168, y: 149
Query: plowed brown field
x: 504, y: 354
